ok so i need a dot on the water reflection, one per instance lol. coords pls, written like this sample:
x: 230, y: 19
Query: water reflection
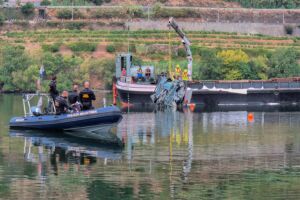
x: 167, y: 155
x: 64, y: 149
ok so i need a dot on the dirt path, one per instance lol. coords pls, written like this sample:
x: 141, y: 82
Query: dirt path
x: 101, y: 51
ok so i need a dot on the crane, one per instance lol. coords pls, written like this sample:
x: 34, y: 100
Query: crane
x: 186, y: 43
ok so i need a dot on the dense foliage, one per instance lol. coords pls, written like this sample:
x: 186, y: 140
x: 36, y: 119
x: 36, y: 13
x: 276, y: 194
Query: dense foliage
x: 70, y: 55
x: 1, y: 19
x: 269, y: 3
x: 20, y: 71
x: 45, y: 3
x: 237, y: 65
x: 28, y: 9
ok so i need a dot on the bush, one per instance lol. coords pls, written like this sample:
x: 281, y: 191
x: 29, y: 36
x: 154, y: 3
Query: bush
x: 82, y: 46
x: 109, y: 13
x: 28, y: 9
x: 111, y: 48
x: 51, y: 47
x: 134, y: 11
x: 75, y: 25
x: 268, y: 3
x: 289, y: 29
x: 64, y: 14
x: 1, y: 20
x: 97, y: 2
x: 45, y: 3
x: 181, y: 52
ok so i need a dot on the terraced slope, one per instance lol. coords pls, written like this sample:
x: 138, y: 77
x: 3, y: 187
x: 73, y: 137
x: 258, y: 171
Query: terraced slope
x: 121, y: 38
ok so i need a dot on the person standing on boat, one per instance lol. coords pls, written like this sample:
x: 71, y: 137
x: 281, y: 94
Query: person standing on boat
x: 86, y: 96
x: 124, y: 72
x: 140, y: 73
x: 74, y: 99
x: 61, y: 103
x: 185, y: 76
x: 177, y: 72
x: 52, y: 89
x: 74, y: 95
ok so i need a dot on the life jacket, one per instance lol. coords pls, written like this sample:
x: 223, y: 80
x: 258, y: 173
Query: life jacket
x: 185, y: 76
x: 177, y: 71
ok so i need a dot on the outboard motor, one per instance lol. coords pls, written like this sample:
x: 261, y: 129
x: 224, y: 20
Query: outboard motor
x: 36, y: 111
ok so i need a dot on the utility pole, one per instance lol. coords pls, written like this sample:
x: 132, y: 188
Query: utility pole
x: 72, y: 10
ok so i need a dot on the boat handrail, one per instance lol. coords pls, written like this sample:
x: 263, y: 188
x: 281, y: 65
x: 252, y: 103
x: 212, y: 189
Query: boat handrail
x: 27, y: 103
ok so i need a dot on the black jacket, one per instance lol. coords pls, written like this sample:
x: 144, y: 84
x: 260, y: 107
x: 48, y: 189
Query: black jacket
x: 52, y: 89
x: 86, y: 96
x: 73, y: 97
x: 61, y: 105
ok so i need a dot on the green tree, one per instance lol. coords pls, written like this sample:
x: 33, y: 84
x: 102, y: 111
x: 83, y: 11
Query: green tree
x: 235, y: 64
x: 259, y: 67
x: 64, y: 14
x: 27, y: 9
x: 13, y: 59
x: 65, y: 68
x: 2, y: 19
x: 103, y: 69
x: 284, y: 63
x: 210, y: 66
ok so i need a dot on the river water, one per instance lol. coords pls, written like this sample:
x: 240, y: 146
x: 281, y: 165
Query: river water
x: 167, y: 155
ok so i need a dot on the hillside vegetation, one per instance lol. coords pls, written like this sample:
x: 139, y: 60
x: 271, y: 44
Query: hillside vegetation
x: 76, y: 55
x: 198, y: 3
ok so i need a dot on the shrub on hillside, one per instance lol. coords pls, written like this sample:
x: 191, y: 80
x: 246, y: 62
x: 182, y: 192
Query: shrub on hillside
x: 45, y: 3
x: 67, y: 14
x: 82, y: 46
x: 289, y: 29
x: 160, y: 11
x: 97, y: 2
x: 64, y: 14
x: 109, y: 13
x: 134, y: 11
x: 27, y: 9
x: 1, y: 20
x: 75, y: 25
x: 51, y: 47
x: 111, y: 48
x: 181, y: 52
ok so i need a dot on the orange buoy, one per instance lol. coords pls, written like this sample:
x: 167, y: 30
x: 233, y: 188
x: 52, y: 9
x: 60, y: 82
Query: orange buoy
x: 192, y: 107
x: 250, y: 117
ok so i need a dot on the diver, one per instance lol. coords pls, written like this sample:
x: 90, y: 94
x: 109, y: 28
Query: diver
x: 61, y: 103
x: 86, y: 96
x: 52, y: 89
x: 74, y: 99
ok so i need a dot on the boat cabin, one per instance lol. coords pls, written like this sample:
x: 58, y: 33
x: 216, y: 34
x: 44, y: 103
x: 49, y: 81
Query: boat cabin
x: 127, y: 72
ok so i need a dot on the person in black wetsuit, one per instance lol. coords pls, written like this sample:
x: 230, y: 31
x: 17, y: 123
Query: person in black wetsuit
x: 86, y: 96
x: 61, y: 103
x: 52, y: 88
